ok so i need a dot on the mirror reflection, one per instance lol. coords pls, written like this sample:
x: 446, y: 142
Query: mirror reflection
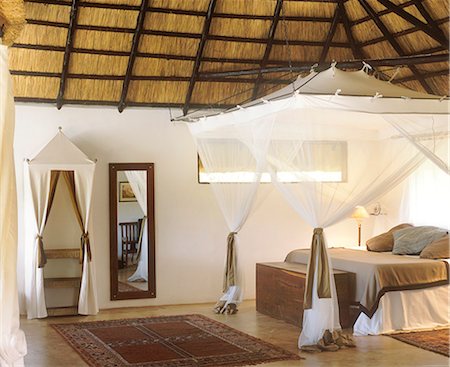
x: 132, y: 229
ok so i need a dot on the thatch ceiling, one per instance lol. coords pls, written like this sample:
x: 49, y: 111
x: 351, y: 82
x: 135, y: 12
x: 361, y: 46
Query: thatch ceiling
x: 191, y: 53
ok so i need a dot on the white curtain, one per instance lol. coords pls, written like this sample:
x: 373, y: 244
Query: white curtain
x: 138, y: 183
x: 37, y: 190
x: 233, y: 154
x: 12, y: 340
x: 84, y: 184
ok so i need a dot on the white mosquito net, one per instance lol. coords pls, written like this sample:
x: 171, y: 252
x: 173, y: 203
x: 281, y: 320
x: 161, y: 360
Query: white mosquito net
x: 328, y: 142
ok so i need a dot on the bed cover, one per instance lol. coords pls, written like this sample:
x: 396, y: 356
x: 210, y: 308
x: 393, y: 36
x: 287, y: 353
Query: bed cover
x: 397, y: 310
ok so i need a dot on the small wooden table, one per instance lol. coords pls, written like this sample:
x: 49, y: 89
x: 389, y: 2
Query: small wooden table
x: 280, y: 287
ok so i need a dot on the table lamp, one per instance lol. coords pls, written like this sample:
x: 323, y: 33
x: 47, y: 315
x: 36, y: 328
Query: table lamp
x: 359, y: 214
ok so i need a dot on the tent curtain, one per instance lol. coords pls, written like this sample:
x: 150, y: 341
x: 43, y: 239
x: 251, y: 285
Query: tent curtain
x: 12, y: 340
x: 138, y: 183
x: 220, y: 148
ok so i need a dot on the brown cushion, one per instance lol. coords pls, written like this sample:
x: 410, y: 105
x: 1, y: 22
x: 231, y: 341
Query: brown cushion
x: 385, y: 241
x: 439, y: 249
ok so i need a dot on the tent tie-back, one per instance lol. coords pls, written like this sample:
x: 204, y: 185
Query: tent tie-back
x: 85, y: 243
x: 229, y: 278
x: 318, y: 258
x: 42, y: 258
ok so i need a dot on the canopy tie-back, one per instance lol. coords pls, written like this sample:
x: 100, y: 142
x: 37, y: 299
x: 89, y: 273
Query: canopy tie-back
x: 229, y: 278
x: 323, y: 270
x: 42, y: 258
x: 85, y: 242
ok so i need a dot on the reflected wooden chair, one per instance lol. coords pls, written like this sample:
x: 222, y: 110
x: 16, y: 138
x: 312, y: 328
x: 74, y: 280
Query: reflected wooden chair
x: 130, y: 238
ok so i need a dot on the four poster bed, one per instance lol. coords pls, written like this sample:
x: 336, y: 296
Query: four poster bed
x: 328, y: 142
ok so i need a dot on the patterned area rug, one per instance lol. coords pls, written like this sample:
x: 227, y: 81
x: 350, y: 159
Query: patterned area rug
x: 169, y: 341
x: 437, y: 341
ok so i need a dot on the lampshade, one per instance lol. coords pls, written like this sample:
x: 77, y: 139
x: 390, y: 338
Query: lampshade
x: 360, y: 213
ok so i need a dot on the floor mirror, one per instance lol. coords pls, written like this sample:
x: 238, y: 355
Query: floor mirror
x: 132, y: 230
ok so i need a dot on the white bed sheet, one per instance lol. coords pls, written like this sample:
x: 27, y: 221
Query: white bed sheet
x: 407, y: 310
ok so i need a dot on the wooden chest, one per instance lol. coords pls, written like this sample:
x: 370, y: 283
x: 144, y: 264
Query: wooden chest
x: 280, y: 287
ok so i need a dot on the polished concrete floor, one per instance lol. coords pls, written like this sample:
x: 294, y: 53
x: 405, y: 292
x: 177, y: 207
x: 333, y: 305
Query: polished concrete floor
x: 47, y: 348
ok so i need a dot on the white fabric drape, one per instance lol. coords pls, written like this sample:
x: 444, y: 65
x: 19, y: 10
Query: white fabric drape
x: 84, y: 185
x: 138, y: 183
x: 238, y: 148
x: 37, y: 188
x: 12, y: 340
x: 60, y: 154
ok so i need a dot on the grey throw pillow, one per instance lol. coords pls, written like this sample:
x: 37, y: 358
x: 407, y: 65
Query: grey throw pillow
x: 411, y: 241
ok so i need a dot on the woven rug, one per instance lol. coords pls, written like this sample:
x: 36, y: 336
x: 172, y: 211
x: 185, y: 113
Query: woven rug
x: 168, y: 341
x: 437, y: 341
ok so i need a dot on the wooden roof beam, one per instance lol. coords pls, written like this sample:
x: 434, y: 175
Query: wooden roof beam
x: 67, y: 52
x: 354, y: 64
x: 403, y: 33
x: 383, y: 12
x: 429, y: 74
x: 198, y: 58
x: 330, y: 35
x: 270, y: 38
x: 132, y: 58
x: 435, y: 33
x: 357, y: 53
x: 394, y: 43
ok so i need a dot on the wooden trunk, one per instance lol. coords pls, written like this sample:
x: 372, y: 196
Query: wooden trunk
x: 280, y: 288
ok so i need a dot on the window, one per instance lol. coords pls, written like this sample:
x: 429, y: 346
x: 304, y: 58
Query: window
x: 323, y: 161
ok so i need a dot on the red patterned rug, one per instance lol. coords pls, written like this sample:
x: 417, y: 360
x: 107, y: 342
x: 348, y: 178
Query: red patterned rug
x: 437, y: 341
x: 168, y: 341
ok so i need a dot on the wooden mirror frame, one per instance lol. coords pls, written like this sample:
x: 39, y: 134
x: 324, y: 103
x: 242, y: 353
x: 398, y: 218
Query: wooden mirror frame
x: 113, y: 215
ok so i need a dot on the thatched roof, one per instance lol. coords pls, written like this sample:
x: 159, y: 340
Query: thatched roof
x: 193, y: 53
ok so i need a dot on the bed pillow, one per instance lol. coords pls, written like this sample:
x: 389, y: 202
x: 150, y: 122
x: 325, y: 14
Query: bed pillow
x: 385, y: 241
x: 411, y: 241
x: 439, y: 249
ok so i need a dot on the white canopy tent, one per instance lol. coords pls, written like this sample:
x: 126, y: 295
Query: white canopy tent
x: 331, y: 141
x: 60, y: 154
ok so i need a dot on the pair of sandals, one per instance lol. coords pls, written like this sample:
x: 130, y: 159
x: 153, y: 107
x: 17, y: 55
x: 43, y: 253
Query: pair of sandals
x: 331, y: 342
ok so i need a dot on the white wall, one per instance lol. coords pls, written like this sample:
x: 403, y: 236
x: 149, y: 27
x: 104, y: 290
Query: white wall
x: 190, y: 230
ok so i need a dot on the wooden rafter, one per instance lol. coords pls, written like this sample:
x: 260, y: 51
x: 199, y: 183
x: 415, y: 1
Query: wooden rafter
x: 47, y: 74
x: 429, y: 74
x: 132, y: 58
x: 198, y: 58
x: 433, y: 32
x: 404, y: 33
x: 67, y: 52
x: 357, y: 53
x: 397, y: 47
x: 330, y: 35
x: 270, y: 38
x: 354, y: 64
x: 383, y: 12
